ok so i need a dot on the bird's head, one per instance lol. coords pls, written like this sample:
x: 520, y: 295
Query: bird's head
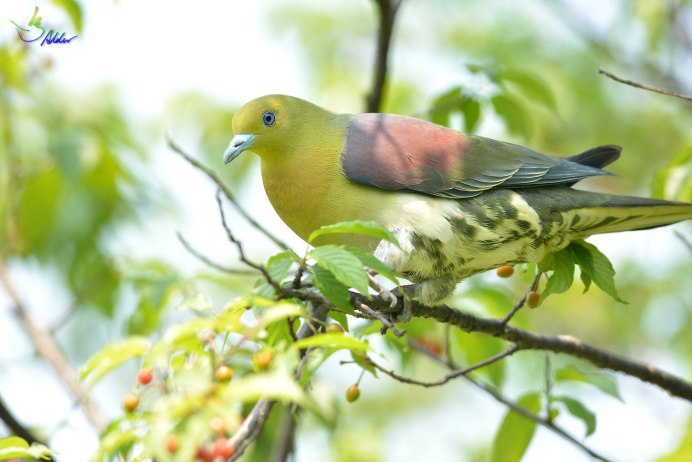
x: 270, y: 124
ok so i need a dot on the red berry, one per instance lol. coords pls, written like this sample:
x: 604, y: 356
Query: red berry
x: 505, y: 271
x: 223, y: 373
x: 223, y: 447
x: 172, y: 443
x: 262, y: 359
x: 204, y: 455
x: 145, y: 376
x: 352, y: 393
x: 130, y: 402
x: 533, y: 299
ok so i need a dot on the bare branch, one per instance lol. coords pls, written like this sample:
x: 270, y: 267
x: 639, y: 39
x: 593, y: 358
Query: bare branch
x: 226, y: 191
x: 387, y: 14
x: 643, y: 86
x: 452, y: 375
x: 208, y: 261
x: 17, y: 428
x: 512, y: 405
x: 365, y: 309
x: 48, y: 349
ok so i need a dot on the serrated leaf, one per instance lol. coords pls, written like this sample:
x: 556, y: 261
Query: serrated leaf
x: 14, y: 447
x: 578, y: 410
x: 334, y: 340
x: 277, y: 267
x: 513, y: 113
x: 532, y: 86
x: 345, y: 266
x: 561, y: 263
x: 111, y: 357
x: 603, y: 382
x: 594, y: 263
x: 472, y: 113
x: 373, y: 263
x: 516, y: 431
x: 333, y: 290
x: 368, y: 228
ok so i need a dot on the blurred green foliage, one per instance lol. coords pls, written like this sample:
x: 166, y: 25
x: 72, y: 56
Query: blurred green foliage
x: 71, y: 174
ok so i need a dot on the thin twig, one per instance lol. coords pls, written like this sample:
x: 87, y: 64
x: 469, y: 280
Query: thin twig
x: 512, y: 405
x: 207, y: 261
x: 380, y: 317
x: 239, y: 246
x: 522, y: 300
x: 644, y: 86
x: 387, y: 14
x: 226, y: 191
x: 452, y: 375
x: 683, y: 239
x: 48, y: 349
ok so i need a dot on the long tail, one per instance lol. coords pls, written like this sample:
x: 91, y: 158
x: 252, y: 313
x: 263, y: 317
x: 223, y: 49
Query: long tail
x: 585, y: 213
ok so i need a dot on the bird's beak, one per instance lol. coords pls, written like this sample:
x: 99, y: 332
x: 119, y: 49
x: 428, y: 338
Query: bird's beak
x: 238, y: 144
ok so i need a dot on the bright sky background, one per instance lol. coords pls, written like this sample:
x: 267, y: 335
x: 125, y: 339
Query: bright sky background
x: 152, y: 50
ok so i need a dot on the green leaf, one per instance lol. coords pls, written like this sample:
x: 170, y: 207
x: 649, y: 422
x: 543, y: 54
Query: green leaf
x: 673, y: 181
x: 15, y: 447
x: 578, y: 410
x: 113, y: 356
x: 373, y: 263
x: 341, y: 318
x: 279, y: 312
x: 345, y: 266
x: 603, y: 382
x: 333, y: 290
x: 514, y: 115
x: 278, y: 265
x: 335, y: 340
x: 472, y: 113
x: 368, y: 228
x: 561, y: 263
x: 516, y: 431
x: 536, y: 89
x: 597, y: 266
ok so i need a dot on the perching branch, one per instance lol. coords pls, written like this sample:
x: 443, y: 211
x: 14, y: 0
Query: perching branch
x: 527, y: 340
x: 226, y: 191
x: 643, y: 86
x: 48, y: 349
x: 388, y: 10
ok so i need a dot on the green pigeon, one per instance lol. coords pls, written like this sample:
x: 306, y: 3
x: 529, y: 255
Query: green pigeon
x: 459, y: 204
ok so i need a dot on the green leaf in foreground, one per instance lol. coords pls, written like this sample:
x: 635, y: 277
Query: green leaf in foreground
x: 111, y: 357
x: 15, y: 447
x: 516, y: 431
x: 333, y: 290
x: 345, y: 266
x: 597, y: 266
x: 578, y: 410
x: 368, y: 228
x: 335, y: 340
x: 561, y: 264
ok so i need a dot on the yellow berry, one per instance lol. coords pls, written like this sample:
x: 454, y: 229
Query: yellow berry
x: 130, y: 402
x: 533, y: 299
x: 262, y: 359
x: 223, y: 373
x: 352, y: 393
x: 334, y: 328
x: 505, y: 271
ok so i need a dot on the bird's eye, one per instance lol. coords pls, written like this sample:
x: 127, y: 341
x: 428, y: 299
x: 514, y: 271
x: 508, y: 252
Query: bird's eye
x: 268, y: 118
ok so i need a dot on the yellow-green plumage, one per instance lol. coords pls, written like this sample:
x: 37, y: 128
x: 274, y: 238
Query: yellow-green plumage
x: 458, y: 204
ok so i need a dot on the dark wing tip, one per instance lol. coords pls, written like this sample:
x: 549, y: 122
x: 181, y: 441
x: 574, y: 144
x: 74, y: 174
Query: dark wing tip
x: 597, y: 157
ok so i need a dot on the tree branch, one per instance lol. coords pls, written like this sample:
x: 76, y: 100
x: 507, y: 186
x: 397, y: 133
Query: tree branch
x: 17, y: 428
x: 204, y: 259
x: 544, y: 421
x: 643, y: 86
x: 226, y: 191
x: 48, y: 349
x: 388, y: 10
x: 527, y: 340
